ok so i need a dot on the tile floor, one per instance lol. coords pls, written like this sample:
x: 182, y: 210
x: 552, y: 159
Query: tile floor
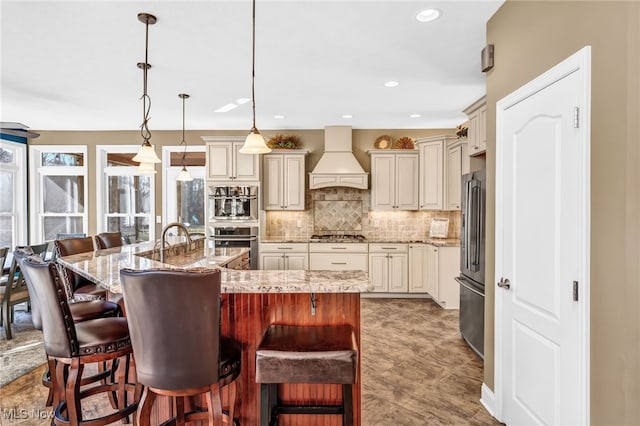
x: 416, y: 370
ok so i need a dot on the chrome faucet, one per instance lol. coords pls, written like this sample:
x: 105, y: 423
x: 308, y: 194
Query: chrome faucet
x: 171, y: 225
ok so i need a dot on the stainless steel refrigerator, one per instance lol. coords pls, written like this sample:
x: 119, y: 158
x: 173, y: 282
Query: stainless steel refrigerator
x: 471, y: 277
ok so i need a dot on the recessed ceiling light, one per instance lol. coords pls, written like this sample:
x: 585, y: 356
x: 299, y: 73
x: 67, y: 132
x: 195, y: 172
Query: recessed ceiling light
x: 391, y: 83
x: 279, y: 116
x: 415, y: 116
x: 242, y: 101
x: 428, y: 15
x: 227, y: 107
x: 347, y: 116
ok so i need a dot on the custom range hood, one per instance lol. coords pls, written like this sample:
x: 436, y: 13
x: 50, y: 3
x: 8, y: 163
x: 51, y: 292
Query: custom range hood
x: 338, y: 166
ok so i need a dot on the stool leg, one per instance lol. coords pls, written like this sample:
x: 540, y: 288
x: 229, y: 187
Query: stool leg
x: 74, y: 408
x: 265, y: 414
x: 268, y: 403
x: 233, y: 393
x: 143, y: 418
x: 347, y: 406
x: 274, y: 402
x: 215, y: 405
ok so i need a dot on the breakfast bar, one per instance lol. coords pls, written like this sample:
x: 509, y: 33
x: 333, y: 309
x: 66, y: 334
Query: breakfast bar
x: 251, y: 301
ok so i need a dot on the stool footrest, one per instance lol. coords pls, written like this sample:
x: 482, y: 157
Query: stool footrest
x: 309, y: 409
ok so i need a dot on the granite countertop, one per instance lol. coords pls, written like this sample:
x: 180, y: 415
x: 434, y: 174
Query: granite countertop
x: 103, y: 267
x: 440, y: 242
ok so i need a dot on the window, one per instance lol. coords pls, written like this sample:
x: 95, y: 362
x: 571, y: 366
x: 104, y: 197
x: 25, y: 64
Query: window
x: 184, y: 201
x: 125, y: 197
x: 13, y: 201
x: 59, y: 176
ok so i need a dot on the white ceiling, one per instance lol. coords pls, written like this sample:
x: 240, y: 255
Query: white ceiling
x: 71, y: 65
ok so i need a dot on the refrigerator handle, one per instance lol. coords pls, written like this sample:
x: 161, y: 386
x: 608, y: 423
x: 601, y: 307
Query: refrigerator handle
x: 477, y: 227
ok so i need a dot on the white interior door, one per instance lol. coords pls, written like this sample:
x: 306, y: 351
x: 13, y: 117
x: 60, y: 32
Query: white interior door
x: 542, y: 218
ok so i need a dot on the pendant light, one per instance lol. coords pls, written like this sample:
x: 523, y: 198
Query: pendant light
x: 146, y: 153
x: 254, y: 144
x: 184, y: 175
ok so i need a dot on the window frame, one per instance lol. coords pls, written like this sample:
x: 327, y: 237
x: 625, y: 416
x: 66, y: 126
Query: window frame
x: 102, y: 171
x: 169, y: 175
x: 19, y: 222
x: 37, y: 173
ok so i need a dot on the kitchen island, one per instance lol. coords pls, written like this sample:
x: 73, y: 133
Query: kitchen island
x: 251, y: 301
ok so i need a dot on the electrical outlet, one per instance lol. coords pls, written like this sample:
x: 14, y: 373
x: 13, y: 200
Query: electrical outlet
x: 299, y: 223
x: 158, y: 219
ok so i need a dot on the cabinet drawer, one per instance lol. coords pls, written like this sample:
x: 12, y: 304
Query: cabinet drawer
x: 388, y: 248
x: 336, y: 262
x: 283, y: 247
x: 338, y: 248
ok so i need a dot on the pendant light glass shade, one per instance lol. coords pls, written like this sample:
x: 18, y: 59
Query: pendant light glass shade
x: 146, y: 154
x: 254, y: 143
x: 184, y: 175
x: 146, y: 168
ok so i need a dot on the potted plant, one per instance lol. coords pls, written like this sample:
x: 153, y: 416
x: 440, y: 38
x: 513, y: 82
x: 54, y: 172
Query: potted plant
x: 284, y: 142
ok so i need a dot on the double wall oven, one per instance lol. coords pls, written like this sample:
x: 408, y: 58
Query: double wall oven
x: 233, y: 218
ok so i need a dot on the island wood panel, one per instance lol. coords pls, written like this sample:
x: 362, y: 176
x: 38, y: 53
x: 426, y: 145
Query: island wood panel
x: 246, y: 317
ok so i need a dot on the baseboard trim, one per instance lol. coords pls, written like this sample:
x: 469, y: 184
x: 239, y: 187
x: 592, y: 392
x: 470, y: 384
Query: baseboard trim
x: 487, y: 400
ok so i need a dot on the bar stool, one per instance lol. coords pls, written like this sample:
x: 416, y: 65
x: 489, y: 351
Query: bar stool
x: 107, y: 240
x: 306, y: 354
x: 78, y: 288
x: 174, y: 318
x: 71, y: 346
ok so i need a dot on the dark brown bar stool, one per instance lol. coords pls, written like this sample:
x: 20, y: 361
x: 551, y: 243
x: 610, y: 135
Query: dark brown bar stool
x: 174, y: 318
x: 306, y: 354
x: 71, y: 346
x: 81, y: 311
x: 78, y: 288
x: 107, y: 240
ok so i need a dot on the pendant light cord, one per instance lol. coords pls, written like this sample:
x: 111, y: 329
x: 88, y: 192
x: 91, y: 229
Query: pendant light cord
x: 146, y: 100
x: 183, y: 142
x: 253, y: 69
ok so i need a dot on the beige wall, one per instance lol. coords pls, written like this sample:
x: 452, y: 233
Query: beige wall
x: 529, y: 38
x: 313, y: 140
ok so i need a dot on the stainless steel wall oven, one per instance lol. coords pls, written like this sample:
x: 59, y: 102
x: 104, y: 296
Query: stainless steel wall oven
x: 229, y: 203
x: 238, y: 236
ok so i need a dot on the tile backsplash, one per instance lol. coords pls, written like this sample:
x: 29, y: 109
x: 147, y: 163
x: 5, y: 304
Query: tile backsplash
x: 346, y: 211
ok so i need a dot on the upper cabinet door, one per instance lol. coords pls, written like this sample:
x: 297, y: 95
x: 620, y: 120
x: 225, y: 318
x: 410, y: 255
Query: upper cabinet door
x: 283, y: 180
x: 273, y: 182
x: 431, y: 175
x: 226, y: 163
x: 383, y: 181
x: 457, y: 165
x: 219, y: 160
x: 477, y: 132
x: 294, y: 182
x: 406, y: 185
x: 247, y: 166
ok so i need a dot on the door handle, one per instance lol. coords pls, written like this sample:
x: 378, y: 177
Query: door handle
x: 504, y: 283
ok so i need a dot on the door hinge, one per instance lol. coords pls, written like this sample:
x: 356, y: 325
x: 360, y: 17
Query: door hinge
x: 575, y: 291
x: 576, y: 117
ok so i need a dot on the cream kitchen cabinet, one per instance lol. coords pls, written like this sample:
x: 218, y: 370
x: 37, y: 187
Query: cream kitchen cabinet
x: 394, y: 179
x: 431, y: 185
x: 338, y: 256
x: 284, y: 256
x: 442, y: 266
x: 477, y: 132
x: 418, y: 268
x: 457, y: 164
x: 225, y: 163
x: 388, y: 267
x: 283, y: 180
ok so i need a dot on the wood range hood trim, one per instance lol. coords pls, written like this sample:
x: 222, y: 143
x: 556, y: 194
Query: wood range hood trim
x: 338, y: 166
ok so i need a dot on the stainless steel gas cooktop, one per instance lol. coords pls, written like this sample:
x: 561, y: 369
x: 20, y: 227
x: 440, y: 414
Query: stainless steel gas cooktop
x: 343, y: 238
